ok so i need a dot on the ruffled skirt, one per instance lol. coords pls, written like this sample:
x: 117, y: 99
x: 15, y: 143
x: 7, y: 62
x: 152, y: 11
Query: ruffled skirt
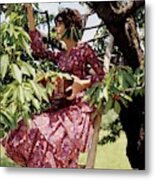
x: 53, y: 139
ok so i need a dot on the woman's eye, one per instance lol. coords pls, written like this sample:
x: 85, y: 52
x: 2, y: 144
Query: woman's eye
x: 58, y: 23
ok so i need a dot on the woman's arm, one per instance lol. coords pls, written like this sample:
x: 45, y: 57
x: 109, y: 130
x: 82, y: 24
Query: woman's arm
x: 39, y: 48
x: 92, y: 59
x: 37, y: 45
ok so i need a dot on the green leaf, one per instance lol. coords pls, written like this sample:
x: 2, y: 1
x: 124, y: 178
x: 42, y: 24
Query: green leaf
x: 66, y: 34
x: 21, y: 94
x: 8, y: 118
x: 79, y: 33
x: 108, y: 105
x: 3, y: 120
x: 26, y: 68
x: 13, y: 16
x: 125, y: 96
x: 13, y: 108
x: 4, y: 63
x: 23, y: 68
x: 124, y: 102
x: 15, y: 95
x: 2, y: 133
x: 7, y: 93
x: 24, y: 33
x: 28, y: 94
x: 72, y: 33
x: 36, y: 90
x: 24, y: 45
x: 26, y: 114
x: 11, y: 30
x: 30, y: 69
x: 49, y: 88
x: 130, y: 80
x: 120, y: 80
x: 90, y: 92
x: 16, y: 72
x: 43, y: 93
x: 117, y: 107
x: 36, y: 103
x: 105, y: 93
x: 123, y: 84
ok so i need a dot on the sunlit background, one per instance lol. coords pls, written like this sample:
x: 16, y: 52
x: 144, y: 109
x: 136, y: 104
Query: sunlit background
x: 53, y: 8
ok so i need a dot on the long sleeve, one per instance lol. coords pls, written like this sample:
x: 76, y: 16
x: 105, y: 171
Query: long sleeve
x: 92, y: 59
x: 39, y: 48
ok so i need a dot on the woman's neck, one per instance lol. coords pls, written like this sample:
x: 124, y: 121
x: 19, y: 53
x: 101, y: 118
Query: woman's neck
x: 70, y: 44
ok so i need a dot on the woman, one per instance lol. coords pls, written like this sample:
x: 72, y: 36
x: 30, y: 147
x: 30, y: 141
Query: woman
x: 55, y: 138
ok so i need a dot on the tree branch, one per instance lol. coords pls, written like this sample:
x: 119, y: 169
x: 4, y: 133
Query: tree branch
x: 92, y: 152
x: 107, y: 56
x: 94, y: 39
x: 121, y: 7
x: 93, y: 27
x: 116, y: 24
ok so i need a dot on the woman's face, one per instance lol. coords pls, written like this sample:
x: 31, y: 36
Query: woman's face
x: 60, y: 29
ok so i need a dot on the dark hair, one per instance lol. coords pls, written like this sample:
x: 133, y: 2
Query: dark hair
x: 70, y: 18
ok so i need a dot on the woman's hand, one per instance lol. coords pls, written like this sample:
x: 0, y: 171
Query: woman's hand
x: 77, y: 86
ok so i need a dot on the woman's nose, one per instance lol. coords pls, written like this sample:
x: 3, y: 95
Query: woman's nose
x: 57, y: 29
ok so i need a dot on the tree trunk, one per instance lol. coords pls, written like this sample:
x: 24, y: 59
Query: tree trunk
x: 122, y: 26
x: 133, y: 122
x: 92, y: 152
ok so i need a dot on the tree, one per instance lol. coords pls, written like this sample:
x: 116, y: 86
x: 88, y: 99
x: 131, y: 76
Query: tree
x: 26, y: 83
x: 119, y: 17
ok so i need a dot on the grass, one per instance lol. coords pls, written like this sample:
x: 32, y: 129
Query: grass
x: 111, y: 155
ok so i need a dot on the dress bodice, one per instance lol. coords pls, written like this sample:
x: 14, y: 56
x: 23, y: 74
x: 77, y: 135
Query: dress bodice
x: 77, y: 62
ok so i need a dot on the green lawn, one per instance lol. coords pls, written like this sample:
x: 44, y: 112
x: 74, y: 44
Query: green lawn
x: 111, y: 155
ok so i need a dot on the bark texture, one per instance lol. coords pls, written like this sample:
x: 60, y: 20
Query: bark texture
x: 120, y: 22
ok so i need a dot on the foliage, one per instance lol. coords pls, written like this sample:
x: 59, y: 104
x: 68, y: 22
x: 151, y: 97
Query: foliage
x: 116, y: 90
x: 111, y: 127
x: 120, y: 85
x: 17, y: 9
x: 6, y: 162
x: 100, y: 44
x: 18, y: 90
x: 22, y: 91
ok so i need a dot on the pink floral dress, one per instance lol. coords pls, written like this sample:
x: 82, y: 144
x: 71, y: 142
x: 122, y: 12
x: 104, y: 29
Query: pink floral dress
x: 55, y: 138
